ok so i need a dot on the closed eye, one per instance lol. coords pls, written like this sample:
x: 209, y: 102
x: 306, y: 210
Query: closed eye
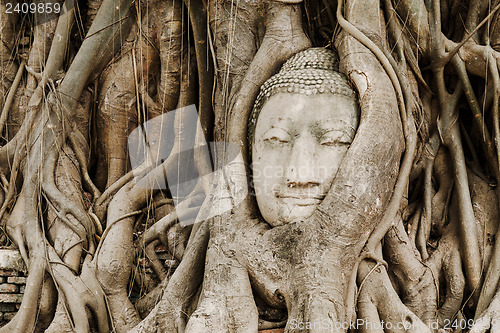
x: 277, y: 135
x: 275, y: 139
x: 335, y: 138
x: 331, y: 143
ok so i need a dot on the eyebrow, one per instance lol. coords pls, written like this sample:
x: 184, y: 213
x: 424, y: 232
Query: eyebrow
x: 346, y: 126
x: 276, y: 123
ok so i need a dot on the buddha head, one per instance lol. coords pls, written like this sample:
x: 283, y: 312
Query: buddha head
x: 302, y: 124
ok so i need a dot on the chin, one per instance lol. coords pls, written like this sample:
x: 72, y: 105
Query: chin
x: 297, y: 213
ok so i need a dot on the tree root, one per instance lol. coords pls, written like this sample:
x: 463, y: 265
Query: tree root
x: 379, y: 303
x: 9, y: 33
x: 77, y: 141
x: 488, y: 319
x: 65, y: 206
x: 491, y: 280
x: 113, y: 261
x: 231, y: 311
x: 81, y: 292
x: 183, y: 211
x: 169, y: 315
x: 116, y: 116
x: 10, y: 96
x: 169, y: 42
x: 145, y: 304
x: 42, y: 39
x: 198, y: 16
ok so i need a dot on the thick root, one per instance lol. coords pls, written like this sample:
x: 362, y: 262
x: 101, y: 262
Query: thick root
x: 233, y: 310
x: 381, y: 308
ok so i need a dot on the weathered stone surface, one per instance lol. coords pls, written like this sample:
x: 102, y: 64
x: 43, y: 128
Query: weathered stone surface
x: 9, y: 288
x: 16, y: 279
x: 8, y: 316
x: 11, y: 260
x: 5, y: 273
x: 11, y: 298
x: 21, y: 289
x: 8, y: 307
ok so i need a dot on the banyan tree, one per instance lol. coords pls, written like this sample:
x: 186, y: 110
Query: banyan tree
x: 237, y: 166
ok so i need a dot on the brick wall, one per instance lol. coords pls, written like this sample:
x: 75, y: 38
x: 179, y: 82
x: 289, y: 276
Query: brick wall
x: 12, y: 282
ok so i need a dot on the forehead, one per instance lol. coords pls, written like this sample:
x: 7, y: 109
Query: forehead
x: 299, y: 109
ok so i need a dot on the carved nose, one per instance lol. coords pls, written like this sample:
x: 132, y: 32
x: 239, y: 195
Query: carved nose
x: 302, y: 164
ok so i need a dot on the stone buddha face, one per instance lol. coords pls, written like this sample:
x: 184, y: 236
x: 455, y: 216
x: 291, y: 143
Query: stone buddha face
x: 298, y: 143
